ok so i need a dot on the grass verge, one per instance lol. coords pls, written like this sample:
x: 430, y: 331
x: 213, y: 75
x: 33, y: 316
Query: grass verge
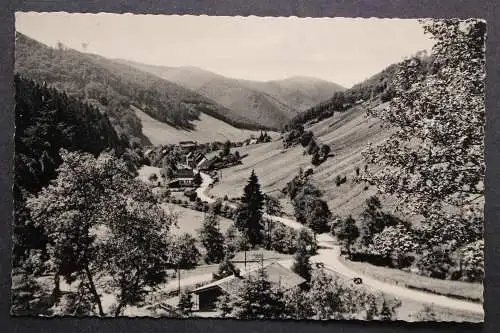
x: 472, y: 292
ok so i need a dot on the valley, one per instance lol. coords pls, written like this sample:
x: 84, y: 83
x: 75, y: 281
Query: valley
x: 176, y: 191
x: 206, y: 129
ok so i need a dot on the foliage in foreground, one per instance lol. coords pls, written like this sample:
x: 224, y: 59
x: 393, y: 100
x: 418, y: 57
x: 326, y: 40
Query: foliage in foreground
x: 100, y: 221
x: 325, y: 298
x: 434, y: 160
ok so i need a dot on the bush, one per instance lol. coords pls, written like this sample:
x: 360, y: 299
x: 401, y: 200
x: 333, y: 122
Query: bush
x: 316, y: 160
x: 472, y: 261
x: 191, y: 195
x: 308, y: 172
x: 374, y: 259
x: 283, y: 238
x: 153, y: 177
x: 435, y: 263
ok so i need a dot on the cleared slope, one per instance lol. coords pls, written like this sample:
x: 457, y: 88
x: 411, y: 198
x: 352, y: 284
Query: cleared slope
x: 206, y: 129
x: 348, y: 134
x: 267, y: 103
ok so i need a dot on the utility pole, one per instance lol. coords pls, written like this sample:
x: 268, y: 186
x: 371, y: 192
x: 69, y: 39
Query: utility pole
x: 179, y: 280
x: 246, y: 244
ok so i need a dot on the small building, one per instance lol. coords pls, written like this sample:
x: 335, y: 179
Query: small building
x: 182, y: 178
x: 208, y: 164
x: 188, y: 145
x: 206, y: 296
x: 253, y: 141
x: 195, y: 158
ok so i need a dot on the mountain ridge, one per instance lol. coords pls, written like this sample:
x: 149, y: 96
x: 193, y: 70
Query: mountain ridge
x: 271, y: 102
x: 115, y: 87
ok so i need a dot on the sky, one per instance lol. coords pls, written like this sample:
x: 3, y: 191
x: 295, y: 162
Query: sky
x: 341, y: 50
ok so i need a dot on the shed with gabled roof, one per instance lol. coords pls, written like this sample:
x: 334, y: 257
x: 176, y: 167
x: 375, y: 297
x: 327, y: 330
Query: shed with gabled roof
x: 280, y: 276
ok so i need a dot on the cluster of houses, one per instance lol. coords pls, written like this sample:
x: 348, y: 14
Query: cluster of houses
x: 195, y: 159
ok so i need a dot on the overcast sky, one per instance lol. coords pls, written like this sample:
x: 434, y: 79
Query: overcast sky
x: 341, y: 50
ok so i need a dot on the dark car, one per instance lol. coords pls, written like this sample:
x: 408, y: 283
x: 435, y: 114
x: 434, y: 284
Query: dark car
x: 357, y: 280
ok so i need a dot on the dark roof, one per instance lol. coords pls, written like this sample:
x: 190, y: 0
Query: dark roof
x: 277, y: 274
x: 185, y: 143
x: 184, y: 173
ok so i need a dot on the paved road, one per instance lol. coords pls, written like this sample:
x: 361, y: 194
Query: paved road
x: 329, y: 255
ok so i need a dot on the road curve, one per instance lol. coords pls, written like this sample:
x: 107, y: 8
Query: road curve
x: 329, y: 255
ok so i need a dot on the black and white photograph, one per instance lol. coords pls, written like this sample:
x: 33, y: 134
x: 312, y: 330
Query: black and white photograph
x: 182, y: 166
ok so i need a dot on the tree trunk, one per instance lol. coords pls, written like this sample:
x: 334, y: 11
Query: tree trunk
x: 56, y: 292
x: 119, y: 309
x: 93, y: 290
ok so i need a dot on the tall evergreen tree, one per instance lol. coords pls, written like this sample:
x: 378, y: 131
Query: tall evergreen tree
x: 249, y: 215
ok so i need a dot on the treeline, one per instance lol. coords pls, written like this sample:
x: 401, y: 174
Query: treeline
x: 383, y: 239
x: 318, y: 152
x: 309, y: 207
x: 46, y: 121
x: 378, y: 86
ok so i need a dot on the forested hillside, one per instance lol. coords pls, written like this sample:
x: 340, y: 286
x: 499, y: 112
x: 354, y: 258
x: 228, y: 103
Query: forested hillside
x: 268, y: 103
x: 114, y: 87
x: 377, y: 87
x: 46, y: 121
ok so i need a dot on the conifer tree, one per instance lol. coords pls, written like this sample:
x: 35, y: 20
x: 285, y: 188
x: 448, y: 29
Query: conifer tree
x: 186, y: 304
x: 257, y: 298
x: 249, y: 216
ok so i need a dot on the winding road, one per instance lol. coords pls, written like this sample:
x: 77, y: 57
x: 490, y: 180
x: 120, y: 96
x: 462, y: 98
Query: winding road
x: 329, y: 255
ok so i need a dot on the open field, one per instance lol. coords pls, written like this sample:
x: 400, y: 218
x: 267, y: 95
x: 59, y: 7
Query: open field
x: 409, y: 309
x: 457, y: 289
x: 189, y: 220
x: 348, y: 134
x: 145, y: 171
x: 207, y: 129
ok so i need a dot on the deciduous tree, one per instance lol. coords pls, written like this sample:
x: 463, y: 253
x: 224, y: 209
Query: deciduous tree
x: 212, y: 238
x: 99, y: 219
x: 434, y: 157
x: 347, y: 232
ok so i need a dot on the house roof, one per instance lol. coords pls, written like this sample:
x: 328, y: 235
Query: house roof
x: 277, y: 274
x: 184, y: 173
x: 187, y: 143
